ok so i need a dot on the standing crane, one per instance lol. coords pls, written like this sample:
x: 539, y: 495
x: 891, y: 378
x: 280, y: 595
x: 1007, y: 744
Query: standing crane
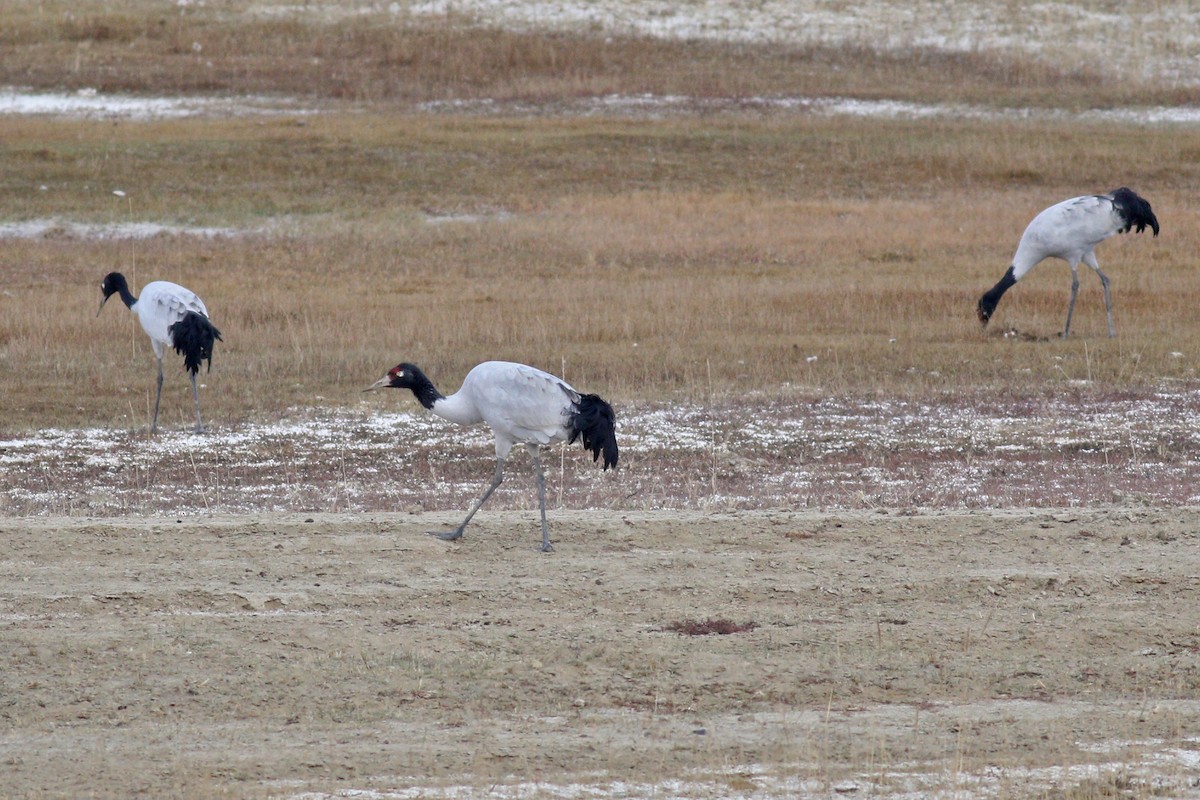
x: 1070, y: 230
x: 171, y: 316
x: 522, y: 405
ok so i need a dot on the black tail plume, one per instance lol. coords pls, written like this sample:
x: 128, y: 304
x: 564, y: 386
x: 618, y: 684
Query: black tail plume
x: 595, y: 422
x: 193, y: 338
x: 1134, y: 210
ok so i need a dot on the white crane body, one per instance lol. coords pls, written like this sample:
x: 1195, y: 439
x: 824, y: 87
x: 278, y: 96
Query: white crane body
x: 521, y: 404
x: 1069, y: 230
x: 160, y: 305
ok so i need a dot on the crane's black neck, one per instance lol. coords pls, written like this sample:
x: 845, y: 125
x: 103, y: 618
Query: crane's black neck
x: 422, y: 388
x: 115, y: 283
x: 127, y: 296
x: 991, y: 298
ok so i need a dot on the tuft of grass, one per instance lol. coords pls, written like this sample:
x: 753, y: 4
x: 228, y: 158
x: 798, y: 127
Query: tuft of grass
x: 708, y: 627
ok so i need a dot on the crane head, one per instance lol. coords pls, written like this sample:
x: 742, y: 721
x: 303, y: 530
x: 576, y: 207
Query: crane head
x: 991, y: 298
x: 401, y: 376
x: 113, y: 283
x: 984, y: 312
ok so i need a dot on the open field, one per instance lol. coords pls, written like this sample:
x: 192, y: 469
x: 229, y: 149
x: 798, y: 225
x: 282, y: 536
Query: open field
x: 964, y: 562
x: 946, y: 655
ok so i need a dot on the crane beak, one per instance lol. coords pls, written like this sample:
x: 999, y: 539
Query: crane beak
x: 379, y: 384
x: 103, y: 300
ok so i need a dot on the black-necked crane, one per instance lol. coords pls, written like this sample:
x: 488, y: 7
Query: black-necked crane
x: 171, y: 316
x: 522, y: 405
x: 1070, y: 230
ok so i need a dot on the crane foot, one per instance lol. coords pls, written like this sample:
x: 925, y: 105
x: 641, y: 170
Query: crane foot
x: 447, y: 536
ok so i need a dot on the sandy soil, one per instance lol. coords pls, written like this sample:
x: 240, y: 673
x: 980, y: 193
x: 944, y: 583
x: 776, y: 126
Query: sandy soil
x: 991, y: 653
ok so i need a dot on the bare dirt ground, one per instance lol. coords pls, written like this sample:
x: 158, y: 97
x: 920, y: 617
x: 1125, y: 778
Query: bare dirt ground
x: 969, y: 654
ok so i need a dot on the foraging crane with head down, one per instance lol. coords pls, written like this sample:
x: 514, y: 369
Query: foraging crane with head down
x: 171, y: 316
x: 1070, y: 230
x: 522, y: 405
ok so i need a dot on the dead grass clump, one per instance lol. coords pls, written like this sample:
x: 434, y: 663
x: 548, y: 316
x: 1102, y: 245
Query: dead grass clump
x: 709, y: 626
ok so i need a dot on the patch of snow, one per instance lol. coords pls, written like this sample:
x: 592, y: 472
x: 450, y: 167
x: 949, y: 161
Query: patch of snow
x: 90, y: 104
x: 657, y: 106
x: 827, y: 453
x: 1168, y: 769
x: 444, y: 219
x: 60, y: 229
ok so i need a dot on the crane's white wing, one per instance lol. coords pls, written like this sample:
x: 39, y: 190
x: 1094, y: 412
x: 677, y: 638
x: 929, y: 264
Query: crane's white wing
x: 161, y: 304
x: 1067, y: 230
x: 521, y: 403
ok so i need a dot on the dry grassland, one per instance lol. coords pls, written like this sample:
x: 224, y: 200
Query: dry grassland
x: 687, y: 255
x: 364, y: 53
x: 653, y: 258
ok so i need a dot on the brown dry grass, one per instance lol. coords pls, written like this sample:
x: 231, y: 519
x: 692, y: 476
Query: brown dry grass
x: 347, y: 52
x: 687, y: 256
x: 690, y: 256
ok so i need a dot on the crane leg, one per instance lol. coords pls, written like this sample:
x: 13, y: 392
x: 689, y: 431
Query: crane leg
x: 196, y: 397
x: 1107, y: 302
x: 541, y: 487
x: 157, y: 398
x: 457, y: 533
x: 1071, y: 305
